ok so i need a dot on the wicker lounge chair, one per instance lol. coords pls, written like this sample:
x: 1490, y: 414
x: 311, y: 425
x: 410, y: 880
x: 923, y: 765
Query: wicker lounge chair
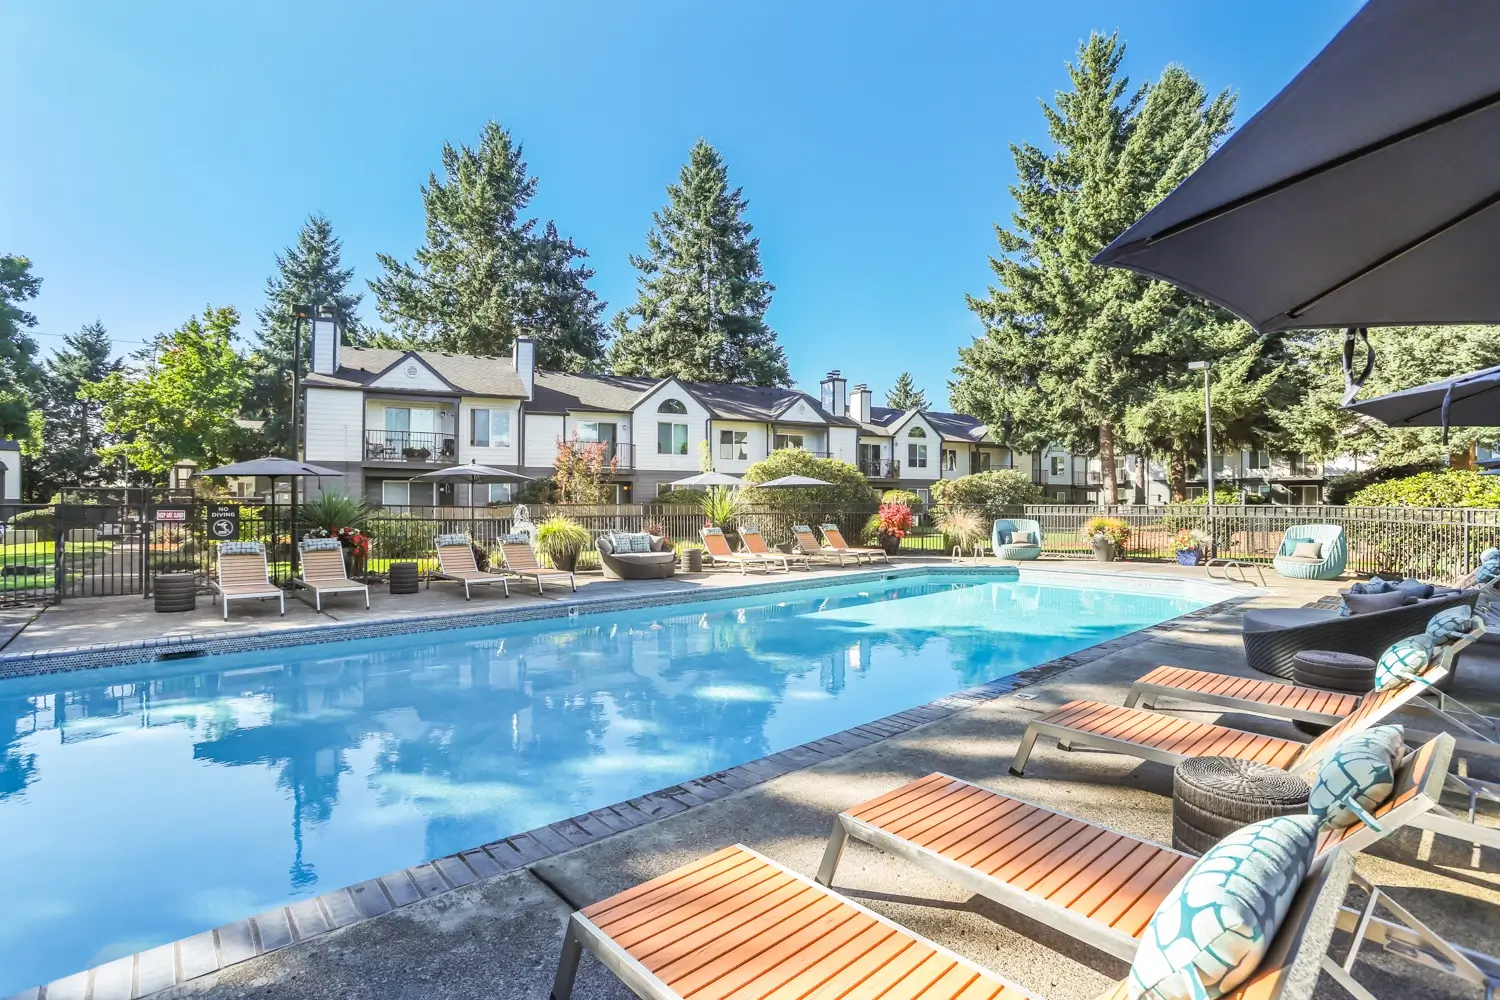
x: 755, y: 544
x: 520, y: 561
x: 1273, y: 637
x: 737, y: 923
x: 716, y: 549
x: 809, y: 546
x: 1092, y: 883
x: 324, y: 573
x: 456, y: 563
x: 1328, y: 564
x: 244, y: 576
x: 833, y: 538
x: 658, y: 564
x: 1005, y: 530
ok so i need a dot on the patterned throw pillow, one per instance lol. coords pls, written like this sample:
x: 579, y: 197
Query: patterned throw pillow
x: 240, y: 548
x: 632, y: 541
x: 1372, y: 586
x: 446, y: 540
x: 1402, y: 661
x: 321, y: 544
x: 1489, y: 568
x: 1211, y: 932
x: 1450, y: 624
x: 1362, y: 769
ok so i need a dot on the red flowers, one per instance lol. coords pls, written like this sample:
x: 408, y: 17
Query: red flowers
x: 355, y: 540
x: 895, y: 519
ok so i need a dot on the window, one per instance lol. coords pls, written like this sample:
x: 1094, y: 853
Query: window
x: 489, y: 428
x: 1059, y: 465
x: 1260, y: 461
x: 734, y: 445
x: 1124, y: 494
x: 1061, y: 496
x: 788, y: 441
x: 916, y: 432
x: 671, y: 439
x: 950, y: 459
x: 395, y: 492
x: 984, y: 461
x: 1307, y: 496
x: 916, y: 456
x: 1304, y: 466
x: 671, y: 406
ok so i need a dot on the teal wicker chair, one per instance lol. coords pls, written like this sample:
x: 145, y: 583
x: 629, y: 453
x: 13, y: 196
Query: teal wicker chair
x: 1330, y: 566
x: 1000, y: 536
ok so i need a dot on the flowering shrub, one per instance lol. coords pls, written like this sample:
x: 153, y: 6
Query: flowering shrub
x: 1190, y: 540
x: 1115, y: 529
x: 895, y: 519
x: 356, y: 541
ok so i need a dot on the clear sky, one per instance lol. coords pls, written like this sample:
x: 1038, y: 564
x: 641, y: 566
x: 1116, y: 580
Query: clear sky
x: 155, y: 155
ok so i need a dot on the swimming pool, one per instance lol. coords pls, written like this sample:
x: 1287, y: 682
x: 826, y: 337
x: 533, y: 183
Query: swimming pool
x: 143, y: 804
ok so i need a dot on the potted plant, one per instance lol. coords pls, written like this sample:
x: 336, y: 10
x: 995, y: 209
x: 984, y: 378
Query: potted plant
x: 1107, y: 536
x: 895, y: 522
x: 720, y: 506
x: 1189, y: 543
x: 963, y: 528
x: 559, y: 540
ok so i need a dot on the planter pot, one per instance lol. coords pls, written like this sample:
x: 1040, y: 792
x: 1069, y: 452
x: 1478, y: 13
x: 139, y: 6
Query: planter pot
x: 891, y: 544
x: 567, y: 560
x: 1189, y: 557
x: 1104, y: 550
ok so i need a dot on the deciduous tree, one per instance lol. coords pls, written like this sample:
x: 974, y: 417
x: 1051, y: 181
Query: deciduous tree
x: 702, y: 297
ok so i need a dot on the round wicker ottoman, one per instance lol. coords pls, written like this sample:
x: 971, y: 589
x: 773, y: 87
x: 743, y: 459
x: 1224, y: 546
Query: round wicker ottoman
x: 404, y: 578
x: 1332, y: 671
x: 1214, y: 796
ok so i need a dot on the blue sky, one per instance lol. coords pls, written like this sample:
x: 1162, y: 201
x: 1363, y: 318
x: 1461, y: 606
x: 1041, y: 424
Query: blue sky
x: 157, y: 155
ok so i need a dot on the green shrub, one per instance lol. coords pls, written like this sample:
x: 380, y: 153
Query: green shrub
x: 332, y: 510
x: 400, y: 536
x: 684, y: 497
x: 994, y: 494
x: 559, y: 539
x: 849, y: 486
x: 901, y: 496
x: 1341, y: 488
x: 1446, y: 488
x: 543, y: 490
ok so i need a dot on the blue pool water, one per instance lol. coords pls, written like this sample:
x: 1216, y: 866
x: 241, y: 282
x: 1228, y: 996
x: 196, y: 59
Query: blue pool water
x: 143, y: 804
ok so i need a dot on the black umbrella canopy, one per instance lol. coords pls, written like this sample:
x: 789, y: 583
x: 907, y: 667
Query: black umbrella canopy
x: 1364, y: 194
x: 1471, y: 400
x: 272, y: 468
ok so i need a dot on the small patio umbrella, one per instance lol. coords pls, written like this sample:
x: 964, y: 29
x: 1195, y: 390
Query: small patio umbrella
x: 273, y: 468
x: 1364, y: 194
x: 1471, y: 400
x: 789, y: 481
x: 473, y: 474
x: 704, y: 479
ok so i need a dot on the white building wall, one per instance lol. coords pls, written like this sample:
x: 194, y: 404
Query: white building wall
x: 620, y: 420
x: 335, y: 431
x: 755, y: 445
x: 643, y: 428
x: 934, y: 442
x: 542, y: 433
x: 12, y: 484
x: 497, y: 455
x: 842, y: 443
x: 411, y: 374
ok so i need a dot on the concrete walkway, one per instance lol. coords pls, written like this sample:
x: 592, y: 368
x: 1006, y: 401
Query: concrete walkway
x: 499, y: 937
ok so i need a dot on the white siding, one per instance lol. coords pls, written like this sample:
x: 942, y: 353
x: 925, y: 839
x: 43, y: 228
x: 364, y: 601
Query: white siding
x: 12, y: 485
x: 841, y: 442
x: 643, y: 428
x: 335, y: 432
x: 961, y: 450
x: 934, y: 443
x: 502, y: 455
x: 411, y: 373
x: 542, y: 432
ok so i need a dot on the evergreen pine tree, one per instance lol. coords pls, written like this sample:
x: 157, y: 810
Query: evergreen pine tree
x: 310, y: 273
x: 485, y: 275
x: 73, y: 434
x: 905, y: 395
x: 702, y: 299
x: 1068, y: 345
x: 19, y: 373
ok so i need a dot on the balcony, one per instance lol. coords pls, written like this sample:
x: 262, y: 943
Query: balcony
x: 621, y: 454
x: 880, y: 468
x: 411, y: 447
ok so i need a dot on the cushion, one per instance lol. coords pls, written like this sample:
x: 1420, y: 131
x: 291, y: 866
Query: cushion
x: 632, y: 541
x: 1402, y: 661
x: 1488, y: 570
x: 1373, y: 586
x: 1003, y: 537
x: 1363, y: 604
x: 443, y: 540
x: 1308, y: 550
x: 1021, y: 538
x: 605, y: 545
x: 241, y: 548
x: 1212, y: 930
x: 320, y: 544
x: 1362, y: 769
x: 656, y: 541
x: 1450, y: 624
x: 1415, y: 588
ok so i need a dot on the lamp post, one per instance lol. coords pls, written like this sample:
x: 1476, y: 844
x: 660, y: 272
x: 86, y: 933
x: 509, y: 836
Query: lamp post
x: 1206, y: 367
x: 300, y: 313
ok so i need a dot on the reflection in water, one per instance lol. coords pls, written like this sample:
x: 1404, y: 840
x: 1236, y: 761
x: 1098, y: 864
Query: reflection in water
x: 139, y: 805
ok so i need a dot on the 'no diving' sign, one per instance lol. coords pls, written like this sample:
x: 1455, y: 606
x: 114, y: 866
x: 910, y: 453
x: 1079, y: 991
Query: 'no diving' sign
x: 224, y: 522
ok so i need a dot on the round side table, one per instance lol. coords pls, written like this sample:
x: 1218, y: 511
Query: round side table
x: 1334, y: 671
x: 1214, y: 796
x: 404, y: 578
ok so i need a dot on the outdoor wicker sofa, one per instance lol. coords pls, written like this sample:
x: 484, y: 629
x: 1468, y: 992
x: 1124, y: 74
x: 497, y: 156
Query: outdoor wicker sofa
x: 1003, y: 533
x: 1273, y: 637
x: 658, y: 564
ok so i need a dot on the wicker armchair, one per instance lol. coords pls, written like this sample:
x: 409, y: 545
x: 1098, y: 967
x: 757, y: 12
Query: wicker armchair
x: 1000, y: 536
x: 1274, y: 636
x: 1329, y: 566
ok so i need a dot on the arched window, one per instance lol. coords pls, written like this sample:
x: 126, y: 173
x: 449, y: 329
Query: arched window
x: 916, y: 432
x: 671, y: 406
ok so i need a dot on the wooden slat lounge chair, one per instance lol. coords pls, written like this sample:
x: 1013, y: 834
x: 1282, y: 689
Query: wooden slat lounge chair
x: 834, y: 538
x: 520, y: 561
x: 809, y: 546
x: 716, y: 549
x: 456, y: 563
x: 1092, y: 883
x: 323, y: 571
x: 737, y: 924
x: 244, y: 576
x: 755, y: 544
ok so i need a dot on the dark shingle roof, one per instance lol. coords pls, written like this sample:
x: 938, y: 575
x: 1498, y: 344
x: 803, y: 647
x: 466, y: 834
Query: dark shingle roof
x: 952, y: 426
x: 359, y: 366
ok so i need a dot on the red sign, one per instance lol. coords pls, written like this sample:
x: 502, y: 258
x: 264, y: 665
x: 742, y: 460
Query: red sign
x: 171, y: 514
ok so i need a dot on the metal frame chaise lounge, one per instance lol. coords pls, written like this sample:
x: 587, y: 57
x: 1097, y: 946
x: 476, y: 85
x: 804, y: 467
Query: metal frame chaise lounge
x: 324, y: 571
x: 755, y: 544
x: 809, y: 546
x: 833, y: 538
x: 455, y: 555
x: 1100, y: 886
x: 244, y: 575
x: 736, y: 923
x: 520, y: 561
x: 716, y: 549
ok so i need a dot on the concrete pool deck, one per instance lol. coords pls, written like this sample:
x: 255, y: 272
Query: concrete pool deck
x: 500, y: 935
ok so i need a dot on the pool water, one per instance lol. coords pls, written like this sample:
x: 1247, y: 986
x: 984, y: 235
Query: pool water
x: 143, y: 804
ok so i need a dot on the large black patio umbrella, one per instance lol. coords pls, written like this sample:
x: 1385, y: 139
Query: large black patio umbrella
x: 1364, y: 194
x: 1471, y: 400
x: 273, y: 468
x: 473, y: 474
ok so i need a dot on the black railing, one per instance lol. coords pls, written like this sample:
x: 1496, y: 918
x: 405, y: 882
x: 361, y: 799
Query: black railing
x: 411, y: 446
x: 880, y: 468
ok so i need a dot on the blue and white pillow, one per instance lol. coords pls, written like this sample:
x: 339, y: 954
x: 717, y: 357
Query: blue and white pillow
x: 1362, y: 770
x: 445, y: 540
x: 1489, y: 566
x: 241, y: 548
x: 321, y: 544
x: 1450, y: 624
x: 631, y: 541
x: 1216, y: 925
x: 1403, y: 661
x: 1374, y: 585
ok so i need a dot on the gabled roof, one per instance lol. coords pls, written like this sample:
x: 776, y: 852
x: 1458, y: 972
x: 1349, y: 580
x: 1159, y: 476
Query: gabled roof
x: 475, y: 376
x: 951, y: 426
